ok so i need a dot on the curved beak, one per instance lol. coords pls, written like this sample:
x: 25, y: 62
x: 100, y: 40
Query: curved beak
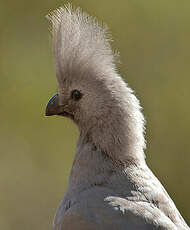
x: 53, y: 107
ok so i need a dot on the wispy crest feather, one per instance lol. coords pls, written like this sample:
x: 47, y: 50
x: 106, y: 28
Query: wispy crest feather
x: 79, y: 42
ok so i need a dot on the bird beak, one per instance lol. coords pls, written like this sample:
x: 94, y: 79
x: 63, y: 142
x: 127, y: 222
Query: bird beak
x: 53, y: 107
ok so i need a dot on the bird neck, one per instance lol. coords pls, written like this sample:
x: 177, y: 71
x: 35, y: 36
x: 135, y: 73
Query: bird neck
x: 119, y: 132
x: 110, y: 143
x: 92, y: 167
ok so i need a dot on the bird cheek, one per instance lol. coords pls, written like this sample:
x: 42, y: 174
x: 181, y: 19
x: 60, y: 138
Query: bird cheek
x: 68, y: 107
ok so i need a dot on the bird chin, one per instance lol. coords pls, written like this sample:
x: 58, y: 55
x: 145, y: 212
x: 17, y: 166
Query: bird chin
x: 66, y: 114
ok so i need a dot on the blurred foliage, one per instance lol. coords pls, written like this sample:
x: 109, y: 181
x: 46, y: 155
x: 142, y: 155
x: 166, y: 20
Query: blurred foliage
x: 36, y: 152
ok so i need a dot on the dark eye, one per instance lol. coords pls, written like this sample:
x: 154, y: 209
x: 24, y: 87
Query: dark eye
x: 76, y: 95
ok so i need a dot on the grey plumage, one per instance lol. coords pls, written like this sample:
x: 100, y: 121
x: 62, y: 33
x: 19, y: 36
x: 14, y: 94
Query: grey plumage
x: 110, y: 185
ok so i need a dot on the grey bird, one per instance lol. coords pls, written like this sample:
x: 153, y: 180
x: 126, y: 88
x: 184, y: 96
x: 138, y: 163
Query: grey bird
x: 110, y: 185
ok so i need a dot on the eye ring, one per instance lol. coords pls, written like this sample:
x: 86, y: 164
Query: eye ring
x: 76, y: 95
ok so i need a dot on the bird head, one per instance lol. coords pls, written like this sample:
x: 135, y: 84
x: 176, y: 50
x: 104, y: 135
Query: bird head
x: 90, y: 91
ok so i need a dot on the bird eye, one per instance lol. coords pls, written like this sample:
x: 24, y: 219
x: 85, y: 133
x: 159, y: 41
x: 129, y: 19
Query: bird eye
x: 76, y: 95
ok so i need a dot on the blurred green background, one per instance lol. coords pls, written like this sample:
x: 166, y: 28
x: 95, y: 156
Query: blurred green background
x: 36, y: 152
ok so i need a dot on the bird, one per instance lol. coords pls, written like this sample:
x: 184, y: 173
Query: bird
x: 110, y: 185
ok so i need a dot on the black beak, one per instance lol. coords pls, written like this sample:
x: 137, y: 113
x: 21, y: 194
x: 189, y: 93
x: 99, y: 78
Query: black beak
x: 53, y: 107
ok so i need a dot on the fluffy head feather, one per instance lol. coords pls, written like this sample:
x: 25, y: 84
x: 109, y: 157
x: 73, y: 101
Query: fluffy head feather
x: 109, y: 114
x: 80, y: 43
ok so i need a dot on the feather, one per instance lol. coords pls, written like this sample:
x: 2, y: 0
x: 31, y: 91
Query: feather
x: 79, y: 43
x: 110, y: 185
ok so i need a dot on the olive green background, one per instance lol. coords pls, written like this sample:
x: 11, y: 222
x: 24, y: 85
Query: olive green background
x: 36, y: 152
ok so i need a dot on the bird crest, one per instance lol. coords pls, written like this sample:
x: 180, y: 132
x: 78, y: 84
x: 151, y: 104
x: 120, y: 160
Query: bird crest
x: 80, y: 44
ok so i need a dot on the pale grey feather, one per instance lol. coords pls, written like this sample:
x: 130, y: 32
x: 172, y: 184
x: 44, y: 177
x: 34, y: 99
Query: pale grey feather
x: 79, y: 42
x: 110, y: 185
x: 83, y: 57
